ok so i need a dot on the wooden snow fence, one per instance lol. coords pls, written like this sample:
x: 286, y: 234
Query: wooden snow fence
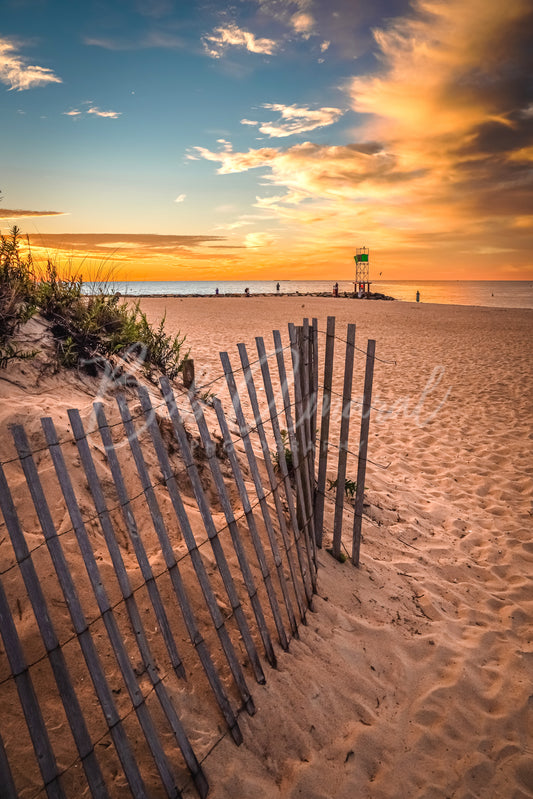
x: 157, y: 557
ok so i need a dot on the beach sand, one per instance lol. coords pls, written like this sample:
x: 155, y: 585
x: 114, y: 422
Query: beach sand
x: 413, y: 676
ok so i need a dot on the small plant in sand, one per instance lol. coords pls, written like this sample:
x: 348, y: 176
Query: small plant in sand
x: 287, y: 453
x: 350, y: 487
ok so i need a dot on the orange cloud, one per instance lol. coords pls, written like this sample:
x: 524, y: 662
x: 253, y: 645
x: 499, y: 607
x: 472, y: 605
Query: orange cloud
x: 9, y: 213
x: 440, y: 164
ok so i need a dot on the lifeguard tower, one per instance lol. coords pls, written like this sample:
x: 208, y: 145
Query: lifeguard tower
x: 362, y: 268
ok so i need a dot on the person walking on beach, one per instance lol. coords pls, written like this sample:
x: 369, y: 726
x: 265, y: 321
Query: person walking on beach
x: 336, y: 290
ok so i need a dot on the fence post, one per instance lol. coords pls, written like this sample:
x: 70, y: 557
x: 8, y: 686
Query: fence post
x: 305, y: 522
x: 175, y: 575
x: 324, y: 431
x: 136, y: 540
x: 196, y: 559
x: 252, y: 527
x: 19, y: 669
x: 120, y: 740
x: 240, y: 551
x: 104, y: 518
x: 245, y: 363
x: 235, y: 398
x: 188, y: 372
x: 6, y: 777
x: 302, y: 453
x: 203, y: 507
x: 280, y: 447
x: 343, y: 440
x: 55, y: 654
x: 363, y: 450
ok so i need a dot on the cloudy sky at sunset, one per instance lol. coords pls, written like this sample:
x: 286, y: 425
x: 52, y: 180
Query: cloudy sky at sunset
x: 268, y: 139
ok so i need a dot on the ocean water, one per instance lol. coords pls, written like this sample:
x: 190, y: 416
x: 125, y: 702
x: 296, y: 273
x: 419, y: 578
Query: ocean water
x: 490, y: 294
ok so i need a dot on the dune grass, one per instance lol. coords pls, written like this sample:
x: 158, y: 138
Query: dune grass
x: 87, y: 329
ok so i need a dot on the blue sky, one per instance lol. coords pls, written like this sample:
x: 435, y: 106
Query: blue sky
x: 270, y: 138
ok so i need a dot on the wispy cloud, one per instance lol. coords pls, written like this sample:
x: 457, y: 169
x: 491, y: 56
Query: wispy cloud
x: 180, y: 198
x: 93, y: 110
x: 259, y: 239
x: 223, y: 37
x: 295, y: 119
x: 10, y: 213
x: 130, y: 242
x: 16, y: 73
x: 162, y: 39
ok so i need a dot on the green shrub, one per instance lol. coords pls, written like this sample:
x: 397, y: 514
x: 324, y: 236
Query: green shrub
x: 17, y: 294
x: 86, y: 329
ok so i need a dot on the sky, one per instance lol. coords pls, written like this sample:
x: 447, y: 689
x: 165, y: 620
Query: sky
x: 268, y: 139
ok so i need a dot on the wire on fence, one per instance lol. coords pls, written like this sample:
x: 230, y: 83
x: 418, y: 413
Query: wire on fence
x: 343, y: 341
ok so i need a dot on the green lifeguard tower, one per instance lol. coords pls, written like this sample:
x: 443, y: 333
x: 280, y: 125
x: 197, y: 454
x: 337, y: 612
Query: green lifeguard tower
x: 362, y: 270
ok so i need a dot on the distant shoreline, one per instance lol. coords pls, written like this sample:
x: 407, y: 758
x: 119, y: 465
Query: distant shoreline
x: 342, y: 295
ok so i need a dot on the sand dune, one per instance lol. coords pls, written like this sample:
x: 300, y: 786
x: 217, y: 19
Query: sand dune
x: 413, y: 676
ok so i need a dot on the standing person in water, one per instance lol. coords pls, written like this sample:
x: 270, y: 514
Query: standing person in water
x: 277, y: 286
x: 418, y: 296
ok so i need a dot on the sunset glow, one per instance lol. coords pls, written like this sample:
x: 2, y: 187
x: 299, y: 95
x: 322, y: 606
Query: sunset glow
x: 270, y: 138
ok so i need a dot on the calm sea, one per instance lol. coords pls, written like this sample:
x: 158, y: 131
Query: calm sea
x: 494, y: 294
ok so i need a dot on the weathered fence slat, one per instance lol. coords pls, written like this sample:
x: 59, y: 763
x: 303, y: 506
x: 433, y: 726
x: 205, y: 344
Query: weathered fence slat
x: 261, y: 496
x: 252, y: 527
x: 343, y: 440
x: 25, y: 688
x: 49, y: 636
x: 220, y: 557
x: 175, y: 575
x: 130, y: 601
x: 196, y: 558
x: 240, y: 551
x: 314, y: 367
x: 363, y: 451
x: 129, y: 518
x: 324, y: 430
x: 282, y: 462
x: 304, y: 521
x: 301, y: 443
x: 136, y: 540
x: 274, y: 485
x: 6, y: 778
x: 99, y: 681
x: 130, y: 679
x: 303, y: 338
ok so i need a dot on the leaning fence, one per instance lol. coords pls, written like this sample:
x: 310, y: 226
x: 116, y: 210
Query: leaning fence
x: 157, y: 556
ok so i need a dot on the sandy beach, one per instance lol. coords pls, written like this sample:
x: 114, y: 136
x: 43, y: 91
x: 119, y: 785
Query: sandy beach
x: 413, y: 676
